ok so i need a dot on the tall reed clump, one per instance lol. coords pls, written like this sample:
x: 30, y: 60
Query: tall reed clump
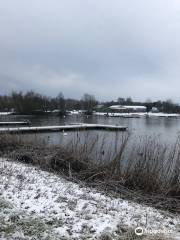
x: 153, y: 167
x: 15, y: 142
x: 9, y: 142
x: 143, y: 163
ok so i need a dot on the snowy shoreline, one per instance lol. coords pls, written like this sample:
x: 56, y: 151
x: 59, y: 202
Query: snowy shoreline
x: 138, y: 114
x: 80, y: 211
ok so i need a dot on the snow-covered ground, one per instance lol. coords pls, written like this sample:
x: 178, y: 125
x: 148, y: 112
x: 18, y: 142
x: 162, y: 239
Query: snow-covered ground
x: 40, y: 204
x: 138, y: 114
x: 5, y: 113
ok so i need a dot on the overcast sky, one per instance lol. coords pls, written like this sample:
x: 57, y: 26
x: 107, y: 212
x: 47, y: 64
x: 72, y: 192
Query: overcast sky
x: 109, y: 48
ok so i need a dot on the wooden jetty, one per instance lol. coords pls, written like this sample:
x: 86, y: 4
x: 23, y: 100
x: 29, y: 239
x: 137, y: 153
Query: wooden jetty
x: 76, y: 127
x: 14, y: 123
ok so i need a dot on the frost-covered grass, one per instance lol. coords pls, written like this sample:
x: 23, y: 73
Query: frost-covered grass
x: 18, y: 224
x: 145, y: 166
x: 35, y: 204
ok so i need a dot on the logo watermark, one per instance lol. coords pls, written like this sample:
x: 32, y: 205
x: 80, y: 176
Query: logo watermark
x: 139, y: 231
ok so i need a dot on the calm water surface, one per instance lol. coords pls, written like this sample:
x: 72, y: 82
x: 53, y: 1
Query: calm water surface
x: 166, y: 128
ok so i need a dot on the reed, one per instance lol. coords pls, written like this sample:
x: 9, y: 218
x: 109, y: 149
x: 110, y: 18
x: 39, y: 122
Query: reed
x: 146, y: 165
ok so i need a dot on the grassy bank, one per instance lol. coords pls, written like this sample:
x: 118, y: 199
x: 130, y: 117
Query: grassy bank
x: 12, y: 220
x: 36, y: 204
x: 145, y: 170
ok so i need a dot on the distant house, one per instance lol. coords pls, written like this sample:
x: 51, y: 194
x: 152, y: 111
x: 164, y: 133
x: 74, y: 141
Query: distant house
x: 126, y: 108
x: 154, y: 110
x: 99, y: 106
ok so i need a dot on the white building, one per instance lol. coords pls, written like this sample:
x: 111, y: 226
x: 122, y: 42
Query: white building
x: 126, y: 108
x: 154, y: 110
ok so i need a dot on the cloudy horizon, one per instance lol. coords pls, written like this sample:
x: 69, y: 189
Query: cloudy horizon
x: 107, y: 48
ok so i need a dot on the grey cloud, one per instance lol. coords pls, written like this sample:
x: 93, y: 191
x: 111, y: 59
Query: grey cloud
x: 109, y: 48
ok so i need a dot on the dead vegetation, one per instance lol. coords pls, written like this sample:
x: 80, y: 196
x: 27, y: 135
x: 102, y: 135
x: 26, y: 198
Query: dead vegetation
x: 9, y: 142
x: 146, y: 170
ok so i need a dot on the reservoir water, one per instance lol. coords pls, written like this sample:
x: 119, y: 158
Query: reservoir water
x: 166, y: 128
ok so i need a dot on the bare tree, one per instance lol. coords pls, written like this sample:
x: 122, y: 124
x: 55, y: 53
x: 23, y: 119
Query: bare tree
x: 61, y: 103
x: 89, y: 102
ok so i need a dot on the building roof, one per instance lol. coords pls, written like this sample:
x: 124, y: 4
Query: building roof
x: 123, y: 107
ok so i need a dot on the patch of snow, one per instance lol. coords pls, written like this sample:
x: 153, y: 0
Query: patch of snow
x: 5, y: 113
x: 135, y: 114
x: 79, y: 211
x: 124, y: 107
x: 61, y: 128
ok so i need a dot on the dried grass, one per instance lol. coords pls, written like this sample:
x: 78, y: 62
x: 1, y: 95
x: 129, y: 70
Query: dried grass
x: 145, y: 168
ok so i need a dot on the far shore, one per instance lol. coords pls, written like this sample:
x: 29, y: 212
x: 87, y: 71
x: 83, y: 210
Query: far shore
x: 96, y: 113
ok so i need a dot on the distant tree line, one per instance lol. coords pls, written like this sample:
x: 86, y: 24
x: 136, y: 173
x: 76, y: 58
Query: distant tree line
x: 32, y: 102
